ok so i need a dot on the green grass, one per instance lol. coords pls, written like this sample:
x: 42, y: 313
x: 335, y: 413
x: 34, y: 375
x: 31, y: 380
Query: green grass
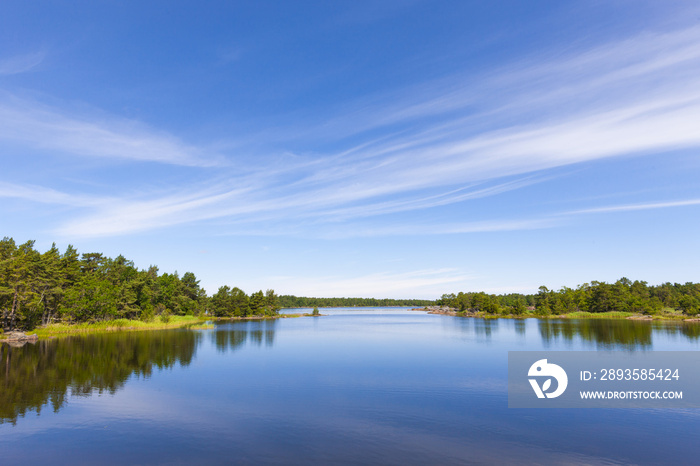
x: 199, y: 322
x: 195, y: 323
x: 118, y: 325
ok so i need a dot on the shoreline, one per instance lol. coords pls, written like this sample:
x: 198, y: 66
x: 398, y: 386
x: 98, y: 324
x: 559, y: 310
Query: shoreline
x: 448, y: 311
x: 128, y: 325
x: 197, y: 323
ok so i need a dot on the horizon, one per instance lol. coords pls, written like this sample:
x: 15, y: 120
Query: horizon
x: 394, y: 150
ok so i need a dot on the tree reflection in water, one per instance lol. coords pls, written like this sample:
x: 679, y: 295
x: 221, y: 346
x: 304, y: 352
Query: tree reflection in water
x: 47, y: 372
x: 613, y: 333
x: 230, y: 337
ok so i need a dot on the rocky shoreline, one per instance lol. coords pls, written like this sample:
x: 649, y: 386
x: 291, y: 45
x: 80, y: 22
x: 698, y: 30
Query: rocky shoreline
x: 449, y: 311
x: 18, y: 338
x: 443, y: 310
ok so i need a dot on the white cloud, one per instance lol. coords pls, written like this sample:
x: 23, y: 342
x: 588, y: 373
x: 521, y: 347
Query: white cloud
x: 635, y: 207
x: 419, y: 283
x: 486, y: 226
x: 630, y: 98
x: 115, y: 217
x: 45, y: 195
x: 51, y: 130
x: 543, y: 86
x: 20, y: 63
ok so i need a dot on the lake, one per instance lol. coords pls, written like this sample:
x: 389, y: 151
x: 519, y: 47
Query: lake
x: 371, y: 386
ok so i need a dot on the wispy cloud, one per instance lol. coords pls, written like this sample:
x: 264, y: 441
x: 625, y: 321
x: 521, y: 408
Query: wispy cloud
x: 250, y: 206
x: 455, y: 140
x: 485, y: 226
x: 541, y: 86
x: 635, y: 207
x: 631, y: 98
x: 432, y: 200
x: 46, y: 195
x: 52, y: 130
x: 537, y: 223
x: 116, y: 217
x: 428, y: 283
x: 20, y: 63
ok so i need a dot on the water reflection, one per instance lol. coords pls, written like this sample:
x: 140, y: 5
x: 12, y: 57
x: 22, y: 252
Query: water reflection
x: 482, y: 329
x: 36, y: 375
x: 602, y: 334
x: 46, y: 373
x: 689, y: 330
x: 612, y: 334
x: 230, y: 337
x: 520, y: 326
x: 485, y: 328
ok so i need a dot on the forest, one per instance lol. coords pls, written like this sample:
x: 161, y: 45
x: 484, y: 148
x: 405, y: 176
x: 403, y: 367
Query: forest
x: 624, y: 295
x: 288, y: 301
x: 42, y: 288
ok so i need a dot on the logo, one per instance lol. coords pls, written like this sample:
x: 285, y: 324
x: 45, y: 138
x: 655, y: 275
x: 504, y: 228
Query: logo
x: 543, y: 369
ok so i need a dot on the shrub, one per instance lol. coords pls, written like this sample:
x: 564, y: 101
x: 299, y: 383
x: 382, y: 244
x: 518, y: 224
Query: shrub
x: 147, y: 314
x: 165, y: 313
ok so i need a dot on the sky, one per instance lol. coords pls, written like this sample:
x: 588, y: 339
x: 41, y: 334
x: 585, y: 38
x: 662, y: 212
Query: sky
x: 393, y: 149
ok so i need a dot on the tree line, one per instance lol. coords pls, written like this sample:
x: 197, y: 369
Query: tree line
x: 622, y: 296
x: 41, y: 288
x: 289, y: 301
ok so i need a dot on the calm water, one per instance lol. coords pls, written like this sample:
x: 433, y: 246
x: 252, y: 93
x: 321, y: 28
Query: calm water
x: 384, y: 386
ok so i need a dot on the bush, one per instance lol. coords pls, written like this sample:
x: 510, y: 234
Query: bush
x: 164, y: 313
x: 147, y: 314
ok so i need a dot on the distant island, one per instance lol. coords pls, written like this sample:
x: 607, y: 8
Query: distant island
x: 288, y: 301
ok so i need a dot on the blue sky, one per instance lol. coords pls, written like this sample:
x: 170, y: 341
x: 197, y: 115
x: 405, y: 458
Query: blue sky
x: 358, y: 148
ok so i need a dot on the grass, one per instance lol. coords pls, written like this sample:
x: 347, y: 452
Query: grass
x: 120, y: 324
x: 197, y: 323
x: 192, y: 322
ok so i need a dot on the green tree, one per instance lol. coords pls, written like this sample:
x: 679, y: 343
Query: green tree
x: 271, y: 304
x: 689, y: 305
x: 240, y: 303
x: 543, y: 301
x: 519, y: 308
x: 257, y: 303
